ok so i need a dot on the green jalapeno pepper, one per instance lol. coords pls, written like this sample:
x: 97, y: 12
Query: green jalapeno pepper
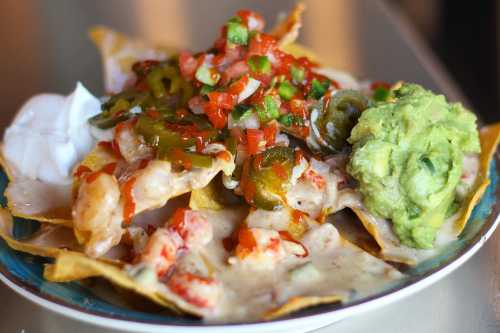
x: 271, y: 171
x: 335, y: 122
x: 186, y: 159
x: 157, y: 135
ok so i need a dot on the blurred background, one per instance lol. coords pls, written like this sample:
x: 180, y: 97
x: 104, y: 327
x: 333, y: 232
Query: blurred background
x: 45, y: 47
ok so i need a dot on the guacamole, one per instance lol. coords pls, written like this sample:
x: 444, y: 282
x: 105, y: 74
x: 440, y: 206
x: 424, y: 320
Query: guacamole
x: 407, y: 157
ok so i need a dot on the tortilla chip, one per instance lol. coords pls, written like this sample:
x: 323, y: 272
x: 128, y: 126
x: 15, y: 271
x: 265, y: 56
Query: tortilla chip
x: 71, y: 266
x: 343, y: 79
x: 95, y: 160
x: 298, y: 51
x: 287, y: 30
x: 489, y: 137
x: 381, y: 229
x: 119, y: 53
x: 297, y: 303
x: 205, y: 198
x: 48, y: 241
x: 36, y: 200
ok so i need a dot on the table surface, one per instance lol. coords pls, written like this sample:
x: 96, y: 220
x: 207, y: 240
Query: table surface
x: 49, y: 52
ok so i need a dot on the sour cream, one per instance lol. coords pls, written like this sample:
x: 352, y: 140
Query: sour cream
x: 50, y: 134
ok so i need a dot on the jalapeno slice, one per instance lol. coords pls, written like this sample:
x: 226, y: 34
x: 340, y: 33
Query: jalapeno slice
x: 117, y: 109
x: 337, y: 118
x: 270, y: 172
x: 185, y: 159
x: 157, y: 135
x: 166, y: 79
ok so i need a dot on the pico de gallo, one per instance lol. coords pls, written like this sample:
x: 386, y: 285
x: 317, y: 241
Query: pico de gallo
x: 246, y: 93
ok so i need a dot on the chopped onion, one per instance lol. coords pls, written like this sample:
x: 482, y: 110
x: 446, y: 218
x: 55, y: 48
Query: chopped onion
x: 213, y: 148
x: 250, y: 88
x: 229, y: 182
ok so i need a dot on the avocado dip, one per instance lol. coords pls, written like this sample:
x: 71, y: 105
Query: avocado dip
x: 407, y: 157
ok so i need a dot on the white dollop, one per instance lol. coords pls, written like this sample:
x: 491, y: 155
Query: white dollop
x: 50, y: 134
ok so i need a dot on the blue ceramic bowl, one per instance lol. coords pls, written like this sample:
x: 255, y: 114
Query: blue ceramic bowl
x: 24, y: 273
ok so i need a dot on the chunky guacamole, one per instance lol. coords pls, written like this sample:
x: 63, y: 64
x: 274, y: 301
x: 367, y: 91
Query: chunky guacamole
x: 407, y: 157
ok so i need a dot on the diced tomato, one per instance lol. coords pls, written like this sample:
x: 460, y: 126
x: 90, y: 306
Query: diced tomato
x: 222, y: 100
x: 246, y: 239
x: 270, y: 132
x: 252, y: 20
x: 233, y: 53
x: 234, y: 71
x: 298, y: 108
x: 284, y: 62
x: 306, y: 63
x: 255, y: 138
x: 216, y: 115
x: 297, y: 216
x: 261, y: 44
x: 257, y: 96
x: 187, y: 65
x: 301, y: 131
x: 237, y: 87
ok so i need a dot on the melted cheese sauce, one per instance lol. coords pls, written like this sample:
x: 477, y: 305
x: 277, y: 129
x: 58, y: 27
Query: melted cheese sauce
x: 333, y: 267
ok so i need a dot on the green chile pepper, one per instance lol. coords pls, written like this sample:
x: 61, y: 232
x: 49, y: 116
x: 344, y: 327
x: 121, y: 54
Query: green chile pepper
x: 336, y: 122
x: 187, y: 159
x: 271, y: 171
x: 156, y: 134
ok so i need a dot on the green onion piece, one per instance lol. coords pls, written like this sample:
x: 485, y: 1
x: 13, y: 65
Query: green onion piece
x: 286, y: 90
x: 298, y: 74
x: 241, y: 111
x: 259, y: 64
x: 207, y: 75
x: 318, y: 88
x: 381, y: 94
x: 269, y: 109
x: 237, y: 33
x: 286, y: 120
